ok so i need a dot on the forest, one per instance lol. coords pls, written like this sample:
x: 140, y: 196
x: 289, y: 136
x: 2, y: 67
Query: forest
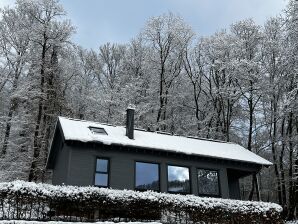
x: 239, y: 84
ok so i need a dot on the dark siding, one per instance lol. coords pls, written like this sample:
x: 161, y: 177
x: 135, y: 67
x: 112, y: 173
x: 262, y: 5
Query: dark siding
x: 121, y: 171
x: 60, y: 171
x: 194, y: 180
x: 223, y: 180
x: 56, y: 146
x: 75, y: 165
x: 234, y: 188
x: 233, y: 180
x: 82, y: 167
x: 163, y: 176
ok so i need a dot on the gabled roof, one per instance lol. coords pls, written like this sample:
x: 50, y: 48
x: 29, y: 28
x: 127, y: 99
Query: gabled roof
x: 78, y: 130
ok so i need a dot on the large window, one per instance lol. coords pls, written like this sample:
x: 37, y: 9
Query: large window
x: 208, y: 182
x: 102, y: 172
x: 147, y: 176
x: 178, y: 179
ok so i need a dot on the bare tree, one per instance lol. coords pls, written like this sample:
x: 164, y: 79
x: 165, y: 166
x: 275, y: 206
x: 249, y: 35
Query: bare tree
x: 168, y: 36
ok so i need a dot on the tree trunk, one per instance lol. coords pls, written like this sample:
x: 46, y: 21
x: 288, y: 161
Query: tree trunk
x: 7, y: 129
x: 12, y: 108
x: 51, y: 109
x: 281, y: 167
x: 251, y: 193
x: 161, y: 87
x: 273, y: 148
x: 249, y: 143
x: 291, y: 176
x: 36, y: 140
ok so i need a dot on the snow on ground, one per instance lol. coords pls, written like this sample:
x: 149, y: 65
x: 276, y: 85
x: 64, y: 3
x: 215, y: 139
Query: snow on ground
x: 79, y: 130
x: 57, y: 222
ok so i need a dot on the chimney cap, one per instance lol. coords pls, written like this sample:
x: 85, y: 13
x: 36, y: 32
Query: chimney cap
x: 131, y: 107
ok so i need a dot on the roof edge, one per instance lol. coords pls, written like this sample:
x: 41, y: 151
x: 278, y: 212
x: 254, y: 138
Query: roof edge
x: 173, y: 151
x: 51, y: 150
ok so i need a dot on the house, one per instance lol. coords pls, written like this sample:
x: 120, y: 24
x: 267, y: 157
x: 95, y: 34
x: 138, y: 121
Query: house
x: 89, y: 153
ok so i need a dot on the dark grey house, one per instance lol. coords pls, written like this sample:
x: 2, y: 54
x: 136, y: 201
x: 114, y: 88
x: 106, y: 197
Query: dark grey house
x: 89, y: 153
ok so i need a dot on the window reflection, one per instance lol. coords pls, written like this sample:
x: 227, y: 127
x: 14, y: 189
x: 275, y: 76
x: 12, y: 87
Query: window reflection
x: 101, y: 172
x: 102, y: 165
x: 208, y: 182
x: 147, y: 176
x: 101, y: 179
x: 178, y: 179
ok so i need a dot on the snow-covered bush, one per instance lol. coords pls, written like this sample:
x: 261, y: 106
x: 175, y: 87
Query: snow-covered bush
x: 27, y: 200
x: 57, y: 222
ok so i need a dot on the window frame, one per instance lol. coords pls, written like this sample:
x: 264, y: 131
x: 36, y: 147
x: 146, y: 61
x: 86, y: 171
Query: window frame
x: 135, y: 175
x: 189, y: 176
x: 218, y: 183
x: 100, y: 172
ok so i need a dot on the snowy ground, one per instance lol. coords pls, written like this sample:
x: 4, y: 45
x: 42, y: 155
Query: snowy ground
x: 55, y: 222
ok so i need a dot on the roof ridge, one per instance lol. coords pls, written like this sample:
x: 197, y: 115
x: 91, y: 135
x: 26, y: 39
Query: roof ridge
x: 209, y: 139
x: 96, y: 122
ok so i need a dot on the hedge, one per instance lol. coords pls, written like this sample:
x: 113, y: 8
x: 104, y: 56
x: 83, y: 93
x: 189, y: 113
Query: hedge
x: 55, y: 222
x: 36, y: 201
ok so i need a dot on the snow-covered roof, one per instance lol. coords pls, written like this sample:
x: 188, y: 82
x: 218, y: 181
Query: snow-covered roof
x: 78, y: 130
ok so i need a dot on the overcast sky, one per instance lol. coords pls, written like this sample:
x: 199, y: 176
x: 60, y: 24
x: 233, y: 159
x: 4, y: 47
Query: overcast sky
x: 101, y: 21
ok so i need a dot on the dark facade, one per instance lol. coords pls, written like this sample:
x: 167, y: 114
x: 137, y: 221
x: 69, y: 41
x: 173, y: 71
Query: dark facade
x: 75, y: 163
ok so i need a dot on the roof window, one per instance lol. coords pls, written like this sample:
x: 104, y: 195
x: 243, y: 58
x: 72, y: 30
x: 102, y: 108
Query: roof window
x: 98, y: 131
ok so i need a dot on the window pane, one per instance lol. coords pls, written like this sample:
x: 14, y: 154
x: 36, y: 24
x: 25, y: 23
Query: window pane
x: 101, y: 179
x: 208, y: 182
x: 147, y: 176
x: 102, y: 165
x: 178, y: 179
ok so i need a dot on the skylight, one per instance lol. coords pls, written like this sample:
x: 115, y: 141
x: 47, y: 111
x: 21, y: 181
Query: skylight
x: 98, y: 131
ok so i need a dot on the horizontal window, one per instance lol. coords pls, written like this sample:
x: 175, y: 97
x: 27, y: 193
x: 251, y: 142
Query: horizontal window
x: 146, y: 176
x: 102, y: 173
x: 178, y: 179
x: 208, y: 182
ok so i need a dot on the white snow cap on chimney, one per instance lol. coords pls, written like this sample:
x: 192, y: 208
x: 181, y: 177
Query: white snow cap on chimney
x: 131, y: 106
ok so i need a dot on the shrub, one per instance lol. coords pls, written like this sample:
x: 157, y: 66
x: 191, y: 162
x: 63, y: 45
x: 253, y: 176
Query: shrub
x: 32, y: 201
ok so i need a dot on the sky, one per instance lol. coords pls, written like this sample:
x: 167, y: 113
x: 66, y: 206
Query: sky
x: 118, y: 21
